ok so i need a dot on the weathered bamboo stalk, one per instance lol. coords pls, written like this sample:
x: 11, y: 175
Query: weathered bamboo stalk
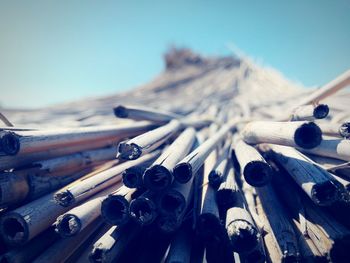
x: 111, y: 245
x: 243, y: 234
x: 141, y: 113
x: 7, y: 162
x: 62, y: 249
x: 190, y: 165
x: 209, y: 226
x: 89, y: 185
x: 256, y: 171
x: 23, y: 142
x: 316, y: 183
x: 303, y: 134
x: 310, y: 112
x: 226, y: 194
x: 216, y: 175
x: 330, y: 238
x: 173, y: 205
x: 332, y: 147
x: 330, y: 88
x: 133, y: 176
x: 115, y: 208
x: 31, y: 250
x: 279, y: 224
x: 147, y: 142
x: 143, y: 209
x: 160, y: 175
x: 335, y: 129
x: 77, y: 219
x: 24, y: 223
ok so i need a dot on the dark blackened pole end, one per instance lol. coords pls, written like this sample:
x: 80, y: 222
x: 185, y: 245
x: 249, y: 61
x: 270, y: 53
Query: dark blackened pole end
x: 308, y: 135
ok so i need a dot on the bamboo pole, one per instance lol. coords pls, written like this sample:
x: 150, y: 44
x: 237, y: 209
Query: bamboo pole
x: 332, y: 147
x: 62, y: 249
x: 330, y: 88
x: 173, y: 205
x: 209, y: 226
x: 256, y: 171
x: 147, y: 142
x: 329, y: 237
x: 280, y: 225
x: 115, y: 208
x: 24, y: 142
x: 133, y: 176
x: 160, y: 175
x: 190, y: 165
x: 89, y: 185
x: 335, y: 129
x: 143, y: 209
x: 310, y: 112
x: 141, y: 113
x: 317, y: 183
x: 303, y: 134
x: 226, y: 194
x: 8, y: 162
x: 80, y: 217
x: 111, y: 245
x: 219, y: 170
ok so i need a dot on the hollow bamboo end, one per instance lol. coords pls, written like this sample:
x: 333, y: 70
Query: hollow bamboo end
x: 344, y: 130
x: 215, y: 179
x: 115, y: 210
x: 9, y: 143
x: 257, y: 173
x: 120, y: 112
x: 157, y: 178
x: 143, y: 211
x: 132, y: 177
x: 64, y: 198
x: 172, y: 203
x: 321, y: 111
x: 68, y: 225
x: 243, y: 236
x: 325, y: 194
x: 308, y: 135
x: 183, y: 172
x: 129, y: 151
x: 14, y: 229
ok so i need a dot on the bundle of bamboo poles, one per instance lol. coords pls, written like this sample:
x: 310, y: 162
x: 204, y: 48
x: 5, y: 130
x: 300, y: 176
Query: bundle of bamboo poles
x: 210, y: 185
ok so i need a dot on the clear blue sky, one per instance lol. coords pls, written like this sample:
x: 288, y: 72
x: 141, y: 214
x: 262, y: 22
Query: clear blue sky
x: 57, y: 51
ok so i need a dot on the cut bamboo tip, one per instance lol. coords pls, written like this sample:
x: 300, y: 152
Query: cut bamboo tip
x: 243, y: 236
x: 321, y: 111
x: 143, y: 210
x: 215, y: 179
x: 9, y: 143
x: 68, y: 225
x: 115, y: 210
x: 183, y: 172
x: 257, y: 173
x: 64, y: 198
x: 132, y: 177
x: 13, y: 229
x: 157, y: 178
x: 120, y: 111
x: 344, y: 130
x: 129, y: 151
x: 325, y: 194
x: 308, y: 135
